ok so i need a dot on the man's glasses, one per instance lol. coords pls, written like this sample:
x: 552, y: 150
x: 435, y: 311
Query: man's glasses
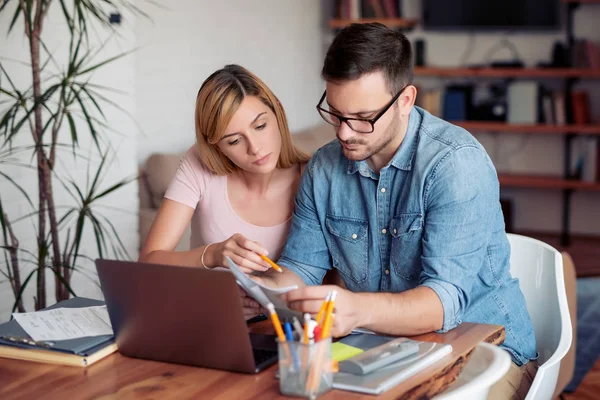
x: 360, y: 125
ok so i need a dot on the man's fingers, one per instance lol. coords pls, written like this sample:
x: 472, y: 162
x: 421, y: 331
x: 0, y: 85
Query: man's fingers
x: 306, y: 306
x: 309, y: 293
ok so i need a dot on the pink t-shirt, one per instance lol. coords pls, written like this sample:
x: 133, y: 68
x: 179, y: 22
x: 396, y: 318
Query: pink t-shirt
x: 214, y: 219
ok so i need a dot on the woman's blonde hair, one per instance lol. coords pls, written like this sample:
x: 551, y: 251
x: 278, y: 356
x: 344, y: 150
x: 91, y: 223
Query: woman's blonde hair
x: 218, y: 99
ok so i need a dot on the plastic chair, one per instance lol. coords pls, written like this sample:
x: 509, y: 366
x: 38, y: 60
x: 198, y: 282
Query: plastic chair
x: 486, y: 366
x: 539, y: 268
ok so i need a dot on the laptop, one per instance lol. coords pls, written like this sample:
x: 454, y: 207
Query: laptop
x: 182, y: 315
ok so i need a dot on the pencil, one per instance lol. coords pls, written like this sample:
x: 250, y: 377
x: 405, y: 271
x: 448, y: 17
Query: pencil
x: 276, y: 322
x: 328, y: 316
x: 271, y: 263
x: 323, y: 308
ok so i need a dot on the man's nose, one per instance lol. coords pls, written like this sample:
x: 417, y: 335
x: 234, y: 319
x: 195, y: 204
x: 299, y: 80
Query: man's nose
x: 344, y: 132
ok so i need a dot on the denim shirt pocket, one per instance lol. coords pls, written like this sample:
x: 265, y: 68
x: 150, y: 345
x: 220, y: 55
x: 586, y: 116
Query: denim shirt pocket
x: 406, y: 231
x: 349, y: 246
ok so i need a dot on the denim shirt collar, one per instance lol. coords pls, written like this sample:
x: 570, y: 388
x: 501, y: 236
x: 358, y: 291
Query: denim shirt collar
x: 404, y: 156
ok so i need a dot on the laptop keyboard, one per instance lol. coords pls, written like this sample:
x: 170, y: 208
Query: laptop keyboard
x: 260, y: 356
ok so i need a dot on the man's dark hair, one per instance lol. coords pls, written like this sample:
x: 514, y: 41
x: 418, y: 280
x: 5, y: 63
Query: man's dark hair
x: 364, y: 48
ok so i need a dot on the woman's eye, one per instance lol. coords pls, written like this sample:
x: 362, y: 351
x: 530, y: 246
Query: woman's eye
x: 261, y: 127
x: 234, y: 142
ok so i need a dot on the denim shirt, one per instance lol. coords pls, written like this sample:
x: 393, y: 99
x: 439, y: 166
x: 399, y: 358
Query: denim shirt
x: 431, y: 217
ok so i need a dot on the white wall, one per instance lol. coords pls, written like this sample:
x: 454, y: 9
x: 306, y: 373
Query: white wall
x: 534, y: 209
x: 122, y: 213
x: 280, y: 41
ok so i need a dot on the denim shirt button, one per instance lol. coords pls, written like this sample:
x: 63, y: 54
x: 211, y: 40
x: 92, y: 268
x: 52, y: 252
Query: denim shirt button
x: 382, y: 190
x: 387, y: 271
x: 395, y: 231
x: 354, y: 236
x: 384, y: 231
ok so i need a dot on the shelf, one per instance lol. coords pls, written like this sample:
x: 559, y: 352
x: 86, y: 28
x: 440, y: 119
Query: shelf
x: 545, y: 182
x: 390, y: 22
x: 487, y: 72
x: 484, y: 126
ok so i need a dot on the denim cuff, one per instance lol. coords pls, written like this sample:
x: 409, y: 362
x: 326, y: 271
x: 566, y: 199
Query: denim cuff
x: 448, y: 295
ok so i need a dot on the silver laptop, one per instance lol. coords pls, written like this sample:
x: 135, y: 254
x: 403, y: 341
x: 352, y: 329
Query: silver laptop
x: 182, y: 315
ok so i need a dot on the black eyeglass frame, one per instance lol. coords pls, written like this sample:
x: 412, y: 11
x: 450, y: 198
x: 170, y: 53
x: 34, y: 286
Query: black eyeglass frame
x: 346, y: 119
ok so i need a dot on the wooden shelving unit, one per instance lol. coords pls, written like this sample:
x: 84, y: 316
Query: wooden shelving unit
x: 507, y: 72
x: 546, y: 182
x: 542, y: 129
x: 569, y: 131
x: 391, y: 22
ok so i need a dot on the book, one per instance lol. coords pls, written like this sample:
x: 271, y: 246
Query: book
x: 17, y: 344
x: 391, y: 375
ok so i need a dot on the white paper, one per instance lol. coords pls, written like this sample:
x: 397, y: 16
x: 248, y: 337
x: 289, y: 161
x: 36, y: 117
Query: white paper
x: 264, y: 294
x: 65, y: 323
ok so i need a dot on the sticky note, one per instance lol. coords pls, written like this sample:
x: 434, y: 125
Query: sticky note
x: 341, y: 351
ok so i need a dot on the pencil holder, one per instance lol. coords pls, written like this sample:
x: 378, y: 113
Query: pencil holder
x: 305, y: 370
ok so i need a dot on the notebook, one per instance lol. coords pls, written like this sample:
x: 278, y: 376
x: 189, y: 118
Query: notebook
x: 389, y: 376
x: 75, y: 352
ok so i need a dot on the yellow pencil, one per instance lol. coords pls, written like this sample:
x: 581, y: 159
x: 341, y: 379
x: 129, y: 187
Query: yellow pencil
x: 323, y: 308
x: 276, y: 322
x: 328, y: 316
x: 271, y: 263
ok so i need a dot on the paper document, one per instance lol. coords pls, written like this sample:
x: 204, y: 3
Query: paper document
x: 263, y: 294
x: 65, y: 323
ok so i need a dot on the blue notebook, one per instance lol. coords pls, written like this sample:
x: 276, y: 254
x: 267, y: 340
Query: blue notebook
x: 81, y: 351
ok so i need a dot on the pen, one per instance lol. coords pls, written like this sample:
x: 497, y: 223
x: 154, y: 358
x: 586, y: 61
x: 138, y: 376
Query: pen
x: 289, y: 335
x: 298, y: 328
x: 271, y: 263
x: 306, y: 328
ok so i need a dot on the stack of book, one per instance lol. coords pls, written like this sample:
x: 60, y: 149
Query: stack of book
x: 17, y: 344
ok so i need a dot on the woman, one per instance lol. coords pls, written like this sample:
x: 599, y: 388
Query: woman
x: 236, y: 185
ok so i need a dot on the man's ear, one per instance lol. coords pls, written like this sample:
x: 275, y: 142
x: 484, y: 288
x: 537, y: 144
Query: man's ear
x: 407, y: 99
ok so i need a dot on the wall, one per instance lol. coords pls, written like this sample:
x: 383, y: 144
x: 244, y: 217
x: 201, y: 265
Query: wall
x: 534, y: 209
x: 123, y: 214
x: 280, y: 41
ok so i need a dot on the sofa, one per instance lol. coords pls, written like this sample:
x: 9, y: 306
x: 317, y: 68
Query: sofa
x: 158, y: 170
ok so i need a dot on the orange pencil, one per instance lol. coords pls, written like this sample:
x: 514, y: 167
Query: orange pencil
x: 328, y: 316
x: 323, y: 308
x: 276, y: 322
x: 271, y: 263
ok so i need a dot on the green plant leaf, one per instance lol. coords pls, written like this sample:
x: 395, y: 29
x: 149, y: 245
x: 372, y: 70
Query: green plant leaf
x: 19, y: 188
x: 23, y: 287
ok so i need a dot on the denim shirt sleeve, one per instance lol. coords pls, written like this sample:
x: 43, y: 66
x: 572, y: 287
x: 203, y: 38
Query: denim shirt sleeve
x: 460, y: 201
x: 305, y: 240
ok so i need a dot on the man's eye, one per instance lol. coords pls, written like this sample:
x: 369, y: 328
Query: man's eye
x: 261, y: 127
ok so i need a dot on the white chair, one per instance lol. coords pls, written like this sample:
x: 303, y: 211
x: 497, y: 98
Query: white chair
x: 486, y: 366
x: 539, y: 268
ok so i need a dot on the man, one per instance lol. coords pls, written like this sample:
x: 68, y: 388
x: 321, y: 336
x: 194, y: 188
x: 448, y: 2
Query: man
x: 404, y: 205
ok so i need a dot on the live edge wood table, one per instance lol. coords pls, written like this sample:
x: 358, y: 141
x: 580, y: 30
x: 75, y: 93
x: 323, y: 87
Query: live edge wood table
x: 120, y: 377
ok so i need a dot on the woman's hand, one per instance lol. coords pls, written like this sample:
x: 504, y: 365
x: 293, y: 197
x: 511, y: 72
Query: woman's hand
x: 242, y: 251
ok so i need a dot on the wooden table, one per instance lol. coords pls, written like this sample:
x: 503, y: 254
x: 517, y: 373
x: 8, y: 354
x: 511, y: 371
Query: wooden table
x: 121, y: 377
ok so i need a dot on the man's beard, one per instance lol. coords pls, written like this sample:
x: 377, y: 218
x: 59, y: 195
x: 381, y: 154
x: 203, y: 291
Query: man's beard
x: 386, y: 138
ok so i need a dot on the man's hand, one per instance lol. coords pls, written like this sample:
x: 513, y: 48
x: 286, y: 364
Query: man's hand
x: 308, y: 299
x: 251, y: 307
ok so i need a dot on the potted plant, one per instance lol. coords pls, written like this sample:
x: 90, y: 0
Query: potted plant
x: 42, y: 122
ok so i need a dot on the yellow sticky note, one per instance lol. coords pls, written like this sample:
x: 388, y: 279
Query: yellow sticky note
x: 341, y: 351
